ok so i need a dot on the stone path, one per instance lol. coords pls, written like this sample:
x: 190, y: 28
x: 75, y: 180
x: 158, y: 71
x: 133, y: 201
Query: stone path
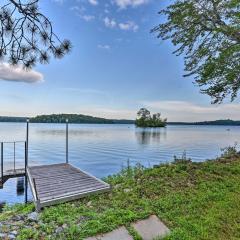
x: 148, y: 229
x: 151, y: 228
x: 118, y: 234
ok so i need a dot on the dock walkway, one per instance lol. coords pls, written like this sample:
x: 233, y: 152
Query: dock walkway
x: 53, y: 184
x: 11, y: 174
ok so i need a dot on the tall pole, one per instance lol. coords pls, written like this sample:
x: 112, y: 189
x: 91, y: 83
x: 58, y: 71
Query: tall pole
x: 2, y: 161
x: 66, y: 140
x: 27, y: 142
x: 26, y: 161
x: 26, y: 183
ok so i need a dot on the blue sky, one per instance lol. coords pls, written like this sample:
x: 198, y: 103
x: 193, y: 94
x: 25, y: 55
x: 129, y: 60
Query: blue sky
x: 116, y: 66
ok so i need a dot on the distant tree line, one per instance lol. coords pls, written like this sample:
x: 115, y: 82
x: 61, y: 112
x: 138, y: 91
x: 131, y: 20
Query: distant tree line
x: 226, y: 122
x: 76, y: 118
x: 12, y: 119
x: 145, y: 119
x: 72, y: 118
x: 61, y: 118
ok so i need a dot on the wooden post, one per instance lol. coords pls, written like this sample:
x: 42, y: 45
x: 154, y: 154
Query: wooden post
x: 66, y: 140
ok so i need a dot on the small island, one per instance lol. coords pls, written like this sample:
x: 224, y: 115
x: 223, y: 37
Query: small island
x: 145, y: 119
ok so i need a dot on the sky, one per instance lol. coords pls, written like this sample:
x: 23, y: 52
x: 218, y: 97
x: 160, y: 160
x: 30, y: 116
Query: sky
x: 116, y: 67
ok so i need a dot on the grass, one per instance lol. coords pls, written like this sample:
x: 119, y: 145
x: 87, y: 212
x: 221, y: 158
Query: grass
x: 195, y: 200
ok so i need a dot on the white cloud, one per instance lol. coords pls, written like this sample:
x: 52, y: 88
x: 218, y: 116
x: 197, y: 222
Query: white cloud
x: 58, y: 1
x: 106, y: 47
x: 18, y: 74
x: 93, y: 2
x: 110, y: 23
x: 130, y: 25
x: 80, y: 11
x: 87, y: 18
x: 132, y: 3
x: 127, y: 26
x: 187, y: 111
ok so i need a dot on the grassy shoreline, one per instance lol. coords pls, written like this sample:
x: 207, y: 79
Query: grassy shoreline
x: 195, y: 200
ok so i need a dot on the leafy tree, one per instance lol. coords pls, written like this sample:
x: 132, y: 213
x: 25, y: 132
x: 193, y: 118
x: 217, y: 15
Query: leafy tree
x: 144, y: 113
x: 207, y: 33
x: 26, y: 34
x: 144, y: 119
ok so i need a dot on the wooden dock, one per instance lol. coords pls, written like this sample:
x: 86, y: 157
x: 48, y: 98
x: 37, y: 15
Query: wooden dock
x: 53, y: 184
x: 11, y: 174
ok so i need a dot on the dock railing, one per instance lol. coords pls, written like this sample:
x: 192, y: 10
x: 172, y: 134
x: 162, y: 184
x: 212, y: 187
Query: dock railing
x: 12, y: 161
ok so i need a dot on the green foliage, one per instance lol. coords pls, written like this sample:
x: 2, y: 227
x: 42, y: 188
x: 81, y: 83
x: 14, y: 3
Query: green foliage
x: 75, y: 118
x: 146, y: 120
x: 197, y: 201
x: 182, y: 159
x: 12, y: 119
x: 27, y: 35
x: 224, y: 122
x: 207, y: 33
x: 230, y: 152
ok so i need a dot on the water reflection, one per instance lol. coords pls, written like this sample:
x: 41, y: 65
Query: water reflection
x: 103, y: 149
x: 20, y: 186
x: 147, y: 136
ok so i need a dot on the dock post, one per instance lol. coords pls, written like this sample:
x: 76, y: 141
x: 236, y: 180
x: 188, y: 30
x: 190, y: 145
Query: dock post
x: 66, y: 140
x: 26, y: 148
x: 14, y: 156
x: 26, y: 161
x: 25, y: 180
x: 2, y: 161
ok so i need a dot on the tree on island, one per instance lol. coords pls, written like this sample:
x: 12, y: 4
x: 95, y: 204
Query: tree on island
x: 27, y: 35
x: 144, y: 119
x: 207, y: 33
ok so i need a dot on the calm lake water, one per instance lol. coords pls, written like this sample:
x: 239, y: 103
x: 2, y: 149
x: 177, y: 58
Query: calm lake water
x: 104, y: 149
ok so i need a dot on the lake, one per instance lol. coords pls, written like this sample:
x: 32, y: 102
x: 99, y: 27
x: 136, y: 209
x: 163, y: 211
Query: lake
x: 105, y: 149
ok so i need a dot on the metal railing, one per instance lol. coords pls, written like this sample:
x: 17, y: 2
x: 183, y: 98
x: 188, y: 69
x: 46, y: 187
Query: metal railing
x: 14, y: 156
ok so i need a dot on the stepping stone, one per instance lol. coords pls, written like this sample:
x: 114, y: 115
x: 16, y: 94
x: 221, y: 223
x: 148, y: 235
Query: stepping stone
x: 151, y: 228
x: 118, y: 234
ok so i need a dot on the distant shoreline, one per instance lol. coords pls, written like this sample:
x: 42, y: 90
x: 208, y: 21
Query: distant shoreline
x: 85, y: 119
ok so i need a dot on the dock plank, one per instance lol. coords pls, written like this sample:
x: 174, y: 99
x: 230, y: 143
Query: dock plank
x: 70, y: 190
x: 60, y: 183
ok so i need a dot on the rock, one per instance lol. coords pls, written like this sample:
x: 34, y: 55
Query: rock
x: 151, y: 228
x: 3, y: 235
x: 18, y: 218
x: 14, y: 232
x: 64, y: 225
x: 33, y: 216
x: 117, y: 186
x: 89, y: 204
x: 127, y: 190
x: 59, y: 230
x: 82, y: 219
x: 118, y: 234
x: 11, y: 237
